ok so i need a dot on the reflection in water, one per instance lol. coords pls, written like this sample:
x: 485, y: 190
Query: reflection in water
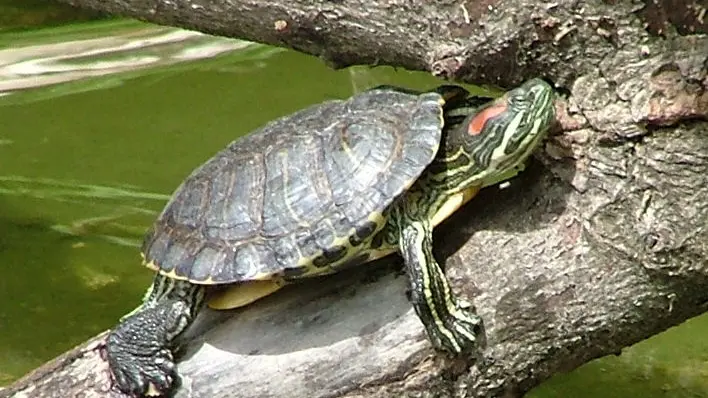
x: 44, y: 64
x: 47, y: 188
x: 98, y: 128
x: 107, y: 227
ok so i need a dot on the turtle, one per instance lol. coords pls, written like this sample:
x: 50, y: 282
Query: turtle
x: 331, y: 186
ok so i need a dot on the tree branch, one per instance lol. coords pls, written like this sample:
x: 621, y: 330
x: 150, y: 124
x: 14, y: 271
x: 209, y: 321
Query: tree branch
x: 599, y: 245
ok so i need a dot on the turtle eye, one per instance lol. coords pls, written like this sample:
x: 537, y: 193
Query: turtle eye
x: 519, y: 101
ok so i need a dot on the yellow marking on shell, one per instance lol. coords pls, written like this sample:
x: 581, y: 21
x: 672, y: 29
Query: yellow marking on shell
x: 441, y: 112
x: 453, y: 203
x: 152, y: 391
x: 307, y: 262
x: 261, y: 276
x: 265, y: 283
x: 170, y: 274
x: 151, y: 265
x: 380, y: 221
x: 244, y: 293
x: 376, y: 217
x: 408, y: 184
x: 173, y: 275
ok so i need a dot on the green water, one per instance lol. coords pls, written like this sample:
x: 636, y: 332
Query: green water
x: 26, y: 14
x: 85, y: 167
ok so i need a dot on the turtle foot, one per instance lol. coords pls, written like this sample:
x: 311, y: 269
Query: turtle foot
x: 143, y: 374
x: 460, y: 331
x: 139, y: 350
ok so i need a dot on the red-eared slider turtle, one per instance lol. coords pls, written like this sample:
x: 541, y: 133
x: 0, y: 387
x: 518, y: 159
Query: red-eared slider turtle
x: 333, y: 185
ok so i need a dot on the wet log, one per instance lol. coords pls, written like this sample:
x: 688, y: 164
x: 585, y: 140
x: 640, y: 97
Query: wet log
x: 602, y: 243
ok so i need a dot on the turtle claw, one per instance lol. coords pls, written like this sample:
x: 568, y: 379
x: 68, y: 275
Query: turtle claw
x: 141, y: 375
x: 465, y: 305
x: 139, y: 348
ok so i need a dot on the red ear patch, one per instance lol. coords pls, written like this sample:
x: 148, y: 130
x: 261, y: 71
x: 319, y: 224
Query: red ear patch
x: 479, y: 120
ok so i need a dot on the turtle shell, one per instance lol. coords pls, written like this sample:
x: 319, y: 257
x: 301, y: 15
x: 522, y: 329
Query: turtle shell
x: 299, y: 195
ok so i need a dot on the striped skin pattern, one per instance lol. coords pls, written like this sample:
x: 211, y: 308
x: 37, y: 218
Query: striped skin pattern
x: 449, y: 324
x: 499, y: 137
x: 335, y: 185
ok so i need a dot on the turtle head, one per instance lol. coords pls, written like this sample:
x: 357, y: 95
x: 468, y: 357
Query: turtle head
x: 486, y: 143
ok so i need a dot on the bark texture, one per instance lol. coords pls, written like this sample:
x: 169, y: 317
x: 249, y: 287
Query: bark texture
x: 601, y: 243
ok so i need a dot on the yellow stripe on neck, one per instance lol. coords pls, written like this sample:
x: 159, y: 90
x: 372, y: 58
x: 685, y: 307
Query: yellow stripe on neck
x: 453, y: 203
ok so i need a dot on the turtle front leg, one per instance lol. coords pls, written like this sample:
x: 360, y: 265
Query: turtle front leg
x: 449, y: 322
x: 140, y: 348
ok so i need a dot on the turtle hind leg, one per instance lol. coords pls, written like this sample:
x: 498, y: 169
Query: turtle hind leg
x: 450, y: 323
x: 140, y: 348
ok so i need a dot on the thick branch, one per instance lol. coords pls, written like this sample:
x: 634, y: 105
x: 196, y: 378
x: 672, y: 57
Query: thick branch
x: 488, y: 41
x: 600, y: 245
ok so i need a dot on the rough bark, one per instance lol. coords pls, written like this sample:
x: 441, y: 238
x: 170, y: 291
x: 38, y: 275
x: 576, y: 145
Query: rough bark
x: 602, y: 243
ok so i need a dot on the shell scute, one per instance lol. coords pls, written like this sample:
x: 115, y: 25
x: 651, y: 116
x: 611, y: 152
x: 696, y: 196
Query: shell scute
x: 300, y: 195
